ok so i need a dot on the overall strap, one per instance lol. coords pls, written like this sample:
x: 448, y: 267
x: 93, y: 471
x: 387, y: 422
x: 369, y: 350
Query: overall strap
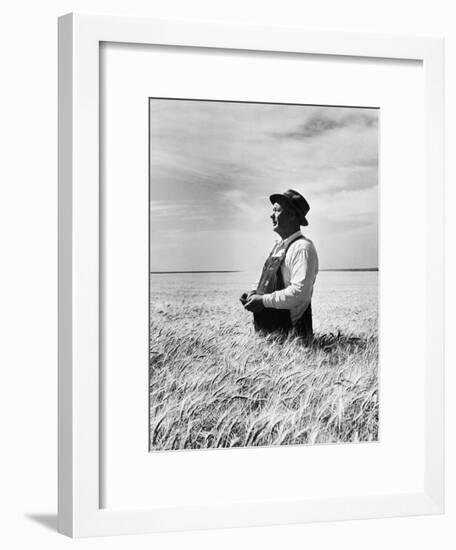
x: 271, y: 275
x: 290, y: 243
x: 279, y: 278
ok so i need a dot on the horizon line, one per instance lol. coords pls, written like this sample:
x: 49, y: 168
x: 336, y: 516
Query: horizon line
x: 244, y: 271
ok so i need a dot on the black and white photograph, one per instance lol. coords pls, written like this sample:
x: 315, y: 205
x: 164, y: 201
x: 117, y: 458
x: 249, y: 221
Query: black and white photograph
x: 263, y: 274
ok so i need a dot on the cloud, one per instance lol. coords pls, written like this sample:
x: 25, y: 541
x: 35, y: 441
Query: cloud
x: 241, y: 203
x: 213, y: 146
x: 179, y: 213
x: 311, y: 128
x: 321, y: 123
x: 360, y: 205
x: 171, y: 208
x: 340, y: 226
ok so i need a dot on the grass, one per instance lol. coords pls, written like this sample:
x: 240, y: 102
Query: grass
x: 214, y: 382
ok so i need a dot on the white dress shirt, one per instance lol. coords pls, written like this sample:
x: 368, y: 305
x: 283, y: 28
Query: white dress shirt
x: 299, y: 271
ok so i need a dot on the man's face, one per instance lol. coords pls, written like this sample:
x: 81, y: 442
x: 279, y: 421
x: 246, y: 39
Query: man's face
x: 280, y: 217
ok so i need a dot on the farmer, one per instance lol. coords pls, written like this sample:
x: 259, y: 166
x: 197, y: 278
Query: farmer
x: 281, y: 300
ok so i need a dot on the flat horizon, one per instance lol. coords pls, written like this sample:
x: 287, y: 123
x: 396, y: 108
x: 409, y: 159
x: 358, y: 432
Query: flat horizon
x: 243, y: 270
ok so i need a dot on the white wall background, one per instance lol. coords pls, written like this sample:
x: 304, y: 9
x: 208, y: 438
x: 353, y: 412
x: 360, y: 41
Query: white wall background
x: 28, y: 269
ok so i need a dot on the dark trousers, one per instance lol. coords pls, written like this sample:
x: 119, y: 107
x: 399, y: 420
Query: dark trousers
x: 278, y: 321
x: 303, y: 328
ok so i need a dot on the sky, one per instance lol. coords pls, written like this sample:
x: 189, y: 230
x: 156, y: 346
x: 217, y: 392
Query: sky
x: 213, y: 166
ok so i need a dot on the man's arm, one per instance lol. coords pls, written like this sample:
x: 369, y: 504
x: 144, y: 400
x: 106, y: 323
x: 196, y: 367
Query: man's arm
x: 303, y: 269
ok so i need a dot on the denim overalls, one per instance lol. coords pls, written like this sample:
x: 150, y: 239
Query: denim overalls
x: 278, y: 320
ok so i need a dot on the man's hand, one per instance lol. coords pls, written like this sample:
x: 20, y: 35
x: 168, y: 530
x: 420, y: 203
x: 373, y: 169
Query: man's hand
x: 246, y: 296
x: 255, y: 303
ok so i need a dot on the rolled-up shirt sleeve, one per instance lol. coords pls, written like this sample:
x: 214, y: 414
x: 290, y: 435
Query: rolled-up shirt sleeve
x: 303, y: 270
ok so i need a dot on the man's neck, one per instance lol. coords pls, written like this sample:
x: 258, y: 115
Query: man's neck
x: 284, y: 236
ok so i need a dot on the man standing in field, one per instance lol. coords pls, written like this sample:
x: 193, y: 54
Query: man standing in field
x: 281, y: 300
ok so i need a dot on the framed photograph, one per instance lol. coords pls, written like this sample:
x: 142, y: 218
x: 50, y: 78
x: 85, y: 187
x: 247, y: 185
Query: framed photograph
x: 250, y: 275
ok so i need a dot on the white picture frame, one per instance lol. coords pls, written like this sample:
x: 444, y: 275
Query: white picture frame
x: 80, y: 476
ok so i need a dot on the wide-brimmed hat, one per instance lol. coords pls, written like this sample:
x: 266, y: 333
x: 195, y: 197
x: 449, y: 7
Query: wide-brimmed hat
x: 297, y: 201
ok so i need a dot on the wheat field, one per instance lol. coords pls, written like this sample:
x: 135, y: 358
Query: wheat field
x: 214, y: 382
